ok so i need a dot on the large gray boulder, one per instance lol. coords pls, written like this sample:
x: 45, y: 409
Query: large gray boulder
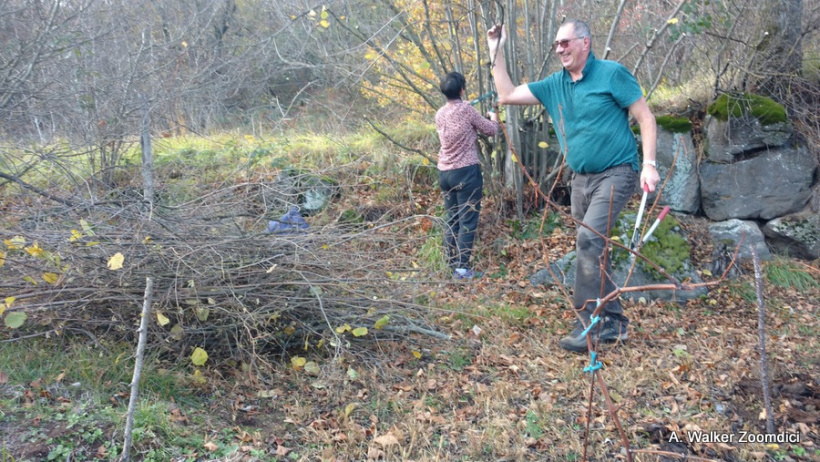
x: 682, y: 190
x: 769, y: 184
x: 797, y: 234
x: 725, y: 140
x: 730, y: 233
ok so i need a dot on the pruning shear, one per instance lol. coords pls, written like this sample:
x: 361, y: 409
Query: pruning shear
x: 637, y: 242
x: 633, y: 243
x: 481, y: 98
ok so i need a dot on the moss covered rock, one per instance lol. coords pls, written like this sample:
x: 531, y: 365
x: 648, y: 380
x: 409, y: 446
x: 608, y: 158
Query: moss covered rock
x: 668, y: 248
x: 744, y: 123
x: 766, y: 110
x: 674, y: 124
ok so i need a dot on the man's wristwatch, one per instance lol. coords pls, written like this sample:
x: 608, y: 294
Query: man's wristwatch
x: 651, y: 162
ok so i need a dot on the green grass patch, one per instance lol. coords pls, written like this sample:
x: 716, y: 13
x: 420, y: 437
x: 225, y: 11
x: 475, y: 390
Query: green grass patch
x: 531, y: 228
x: 742, y: 289
x: 784, y: 273
x: 101, y: 371
x: 78, y: 394
x: 431, y: 254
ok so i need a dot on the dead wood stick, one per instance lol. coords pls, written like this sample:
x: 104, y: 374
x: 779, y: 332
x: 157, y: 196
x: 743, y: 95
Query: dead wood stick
x: 761, y: 330
x: 135, y: 381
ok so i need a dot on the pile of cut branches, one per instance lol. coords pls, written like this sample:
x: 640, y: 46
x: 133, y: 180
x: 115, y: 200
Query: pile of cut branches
x: 220, y: 283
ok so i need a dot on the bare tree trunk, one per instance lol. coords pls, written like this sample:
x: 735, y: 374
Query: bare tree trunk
x: 147, y: 156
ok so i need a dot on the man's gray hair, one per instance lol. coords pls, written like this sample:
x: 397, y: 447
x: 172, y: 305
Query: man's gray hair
x: 580, y: 27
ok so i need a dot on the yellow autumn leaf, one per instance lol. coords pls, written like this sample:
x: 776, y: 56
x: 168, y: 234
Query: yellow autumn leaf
x: 543, y: 144
x: 116, y: 261
x: 177, y: 331
x: 350, y: 408
x: 15, y: 319
x: 298, y: 361
x: 706, y: 272
x: 15, y: 243
x: 360, y: 331
x: 162, y: 320
x: 202, y: 313
x: 9, y: 300
x: 75, y: 236
x: 86, y: 228
x: 514, y: 158
x: 312, y: 368
x: 343, y: 329
x: 146, y: 240
x: 416, y: 354
x: 51, y: 278
x: 324, y: 23
x: 672, y: 21
x: 199, y: 378
x: 425, y: 161
x: 2, y: 258
x: 199, y: 356
x: 381, y: 322
x: 2, y: 309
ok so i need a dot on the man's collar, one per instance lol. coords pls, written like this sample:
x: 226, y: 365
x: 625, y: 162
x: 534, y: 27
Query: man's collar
x: 587, y: 67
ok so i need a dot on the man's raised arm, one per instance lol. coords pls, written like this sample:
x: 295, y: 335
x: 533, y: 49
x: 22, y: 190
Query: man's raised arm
x: 508, y: 93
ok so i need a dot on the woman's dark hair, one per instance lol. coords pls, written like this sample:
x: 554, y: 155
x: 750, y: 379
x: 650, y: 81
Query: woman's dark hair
x: 452, y: 84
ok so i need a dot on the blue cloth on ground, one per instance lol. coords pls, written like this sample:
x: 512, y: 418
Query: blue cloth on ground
x: 290, y: 222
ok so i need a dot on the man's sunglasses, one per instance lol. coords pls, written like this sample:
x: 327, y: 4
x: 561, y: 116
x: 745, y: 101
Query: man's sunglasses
x: 564, y: 43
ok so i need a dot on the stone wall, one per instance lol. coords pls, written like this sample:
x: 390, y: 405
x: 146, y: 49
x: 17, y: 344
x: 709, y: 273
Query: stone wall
x: 753, y: 176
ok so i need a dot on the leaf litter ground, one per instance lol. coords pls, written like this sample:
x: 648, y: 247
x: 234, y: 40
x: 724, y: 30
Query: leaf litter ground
x: 501, y: 389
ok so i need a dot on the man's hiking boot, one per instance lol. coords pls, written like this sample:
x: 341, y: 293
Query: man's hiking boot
x: 575, y: 341
x: 611, y: 329
x: 614, y: 329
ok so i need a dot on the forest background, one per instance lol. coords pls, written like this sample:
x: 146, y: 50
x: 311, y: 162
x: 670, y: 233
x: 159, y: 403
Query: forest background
x: 151, y: 140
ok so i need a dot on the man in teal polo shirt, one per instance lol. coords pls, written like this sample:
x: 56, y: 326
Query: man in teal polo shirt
x: 589, y: 101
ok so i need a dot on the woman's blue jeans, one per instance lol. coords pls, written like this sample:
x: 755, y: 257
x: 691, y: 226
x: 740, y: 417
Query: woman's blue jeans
x: 462, y: 190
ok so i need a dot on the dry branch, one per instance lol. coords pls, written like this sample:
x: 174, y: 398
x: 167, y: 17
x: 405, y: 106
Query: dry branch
x: 228, y: 287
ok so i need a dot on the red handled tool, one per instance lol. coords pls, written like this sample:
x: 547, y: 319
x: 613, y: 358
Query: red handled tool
x: 654, y: 225
x: 633, y: 244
